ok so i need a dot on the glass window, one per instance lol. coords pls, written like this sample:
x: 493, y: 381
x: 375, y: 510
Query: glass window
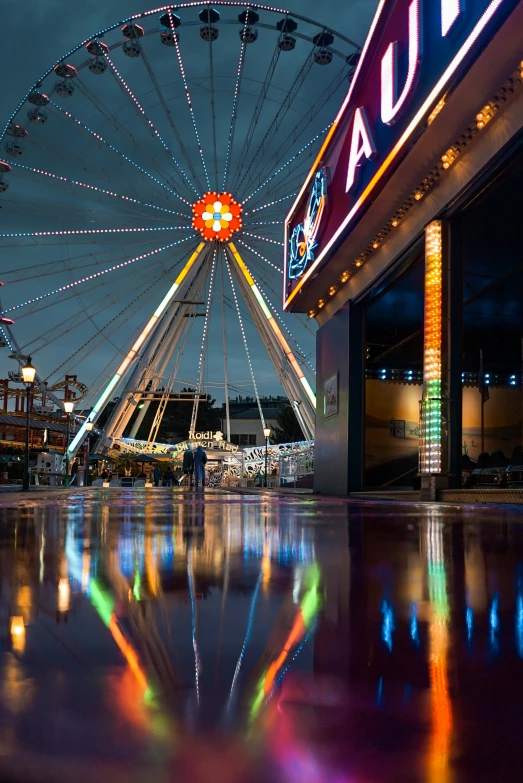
x: 252, y: 440
x: 244, y: 440
x: 235, y: 439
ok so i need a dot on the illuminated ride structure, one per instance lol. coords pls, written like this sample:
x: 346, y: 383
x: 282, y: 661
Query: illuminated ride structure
x: 144, y: 184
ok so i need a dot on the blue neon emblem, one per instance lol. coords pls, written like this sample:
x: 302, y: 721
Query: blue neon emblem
x: 304, y: 238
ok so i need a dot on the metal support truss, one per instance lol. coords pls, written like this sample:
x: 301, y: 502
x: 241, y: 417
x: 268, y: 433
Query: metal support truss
x: 141, y: 343
x: 291, y: 375
x: 159, y: 351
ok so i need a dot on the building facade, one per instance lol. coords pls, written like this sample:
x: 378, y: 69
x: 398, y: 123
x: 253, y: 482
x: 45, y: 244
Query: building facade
x: 402, y: 242
x: 246, y: 428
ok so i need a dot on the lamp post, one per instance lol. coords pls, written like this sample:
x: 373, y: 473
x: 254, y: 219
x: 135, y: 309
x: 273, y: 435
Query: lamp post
x: 28, y: 377
x: 68, y: 408
x: 89, y: 428
x: 266, y: 433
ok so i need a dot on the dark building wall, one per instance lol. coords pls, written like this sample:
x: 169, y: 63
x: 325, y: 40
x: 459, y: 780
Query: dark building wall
x: 340, y: 348
x: 331, y: 453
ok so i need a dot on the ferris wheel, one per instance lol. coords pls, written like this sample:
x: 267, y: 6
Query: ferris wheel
x: 144, y: 181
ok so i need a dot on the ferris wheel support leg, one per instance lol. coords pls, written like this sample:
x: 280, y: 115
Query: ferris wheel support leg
x: 146, y: 369
x: 132, y: 354
x: 155, y: 373
x: 268, y: 316
x: 288, y: 379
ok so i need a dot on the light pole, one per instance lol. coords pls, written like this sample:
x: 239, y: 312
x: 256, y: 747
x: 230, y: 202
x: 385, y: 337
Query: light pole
x: 28, y: 377
x: 267, y: 434
x: 89, y: 428
x: 68, y: 408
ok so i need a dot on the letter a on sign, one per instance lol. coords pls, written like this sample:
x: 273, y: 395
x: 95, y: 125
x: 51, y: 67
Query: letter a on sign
x: 361, y: 146
x: 391, y: 102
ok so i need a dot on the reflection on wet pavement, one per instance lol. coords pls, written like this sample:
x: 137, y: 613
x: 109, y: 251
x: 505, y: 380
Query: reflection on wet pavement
x: 157, y: 635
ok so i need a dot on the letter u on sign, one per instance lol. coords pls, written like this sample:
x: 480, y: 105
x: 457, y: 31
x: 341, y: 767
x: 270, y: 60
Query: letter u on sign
x: 391, y: 102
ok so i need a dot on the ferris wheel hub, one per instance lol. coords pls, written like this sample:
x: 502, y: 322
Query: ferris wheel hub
x: 217, y: 216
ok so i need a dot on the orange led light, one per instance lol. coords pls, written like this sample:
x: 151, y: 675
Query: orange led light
x: 217, y: 216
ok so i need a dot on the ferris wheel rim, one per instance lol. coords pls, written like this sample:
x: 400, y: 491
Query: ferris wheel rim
x: 144, y: 14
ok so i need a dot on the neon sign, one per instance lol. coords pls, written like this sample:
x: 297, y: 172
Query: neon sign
x: 415, y: 52
x: 303, y: 241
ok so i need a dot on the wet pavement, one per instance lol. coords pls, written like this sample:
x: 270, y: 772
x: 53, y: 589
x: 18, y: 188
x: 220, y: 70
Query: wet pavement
x: 163, y: 635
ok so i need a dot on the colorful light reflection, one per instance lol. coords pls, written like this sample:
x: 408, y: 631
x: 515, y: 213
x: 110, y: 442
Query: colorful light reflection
x: 309, y: 607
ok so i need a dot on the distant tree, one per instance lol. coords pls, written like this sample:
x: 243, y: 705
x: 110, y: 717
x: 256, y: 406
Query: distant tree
x: 288, y: 429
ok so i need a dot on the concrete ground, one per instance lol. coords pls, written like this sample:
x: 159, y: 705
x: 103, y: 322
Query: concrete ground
x: 163, y: 635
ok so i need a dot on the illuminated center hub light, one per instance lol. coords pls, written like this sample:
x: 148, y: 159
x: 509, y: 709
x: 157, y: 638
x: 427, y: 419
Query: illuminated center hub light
x: 217, y: 216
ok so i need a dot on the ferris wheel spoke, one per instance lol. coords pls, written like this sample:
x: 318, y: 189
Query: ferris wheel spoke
x: 256, y: 253
x: 118, y: 173
x: 203, y: 348
x: 292, y: 179
x: 244, y: 339
x: 58, y: 264
x: 173, y: 127
x: 257, y: 113
x: 278, y: 118
x: 96, y: 275
x: 78, y: 318
x: 187, y: 94
x: 149, y: 123
x: 92, y: 190
x: 301, y: 128
x: 264, y: 239
x: 101, y: 335
x: 213, y: 106
x: 70, y: 211
x: 125, y: 157
x: 277, y: 295
x: 271, y: 203
x: 265, y: 223
x: 136, y: 144
x: 286, y: 166
x: 90, y: 231
x: 236, y: 95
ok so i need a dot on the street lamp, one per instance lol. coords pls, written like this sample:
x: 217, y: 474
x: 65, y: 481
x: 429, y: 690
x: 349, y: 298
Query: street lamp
x: 68, y: 408
x: 267, y: 434
x: 28, y: 377
x: 88, y: 429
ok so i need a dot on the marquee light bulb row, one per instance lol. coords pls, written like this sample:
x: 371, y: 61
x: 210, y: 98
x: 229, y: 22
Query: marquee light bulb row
x: 97, y: 274
x: 446, y: 161
x: 121, y: 154
x: 138, y: 105
x: 95, y: 189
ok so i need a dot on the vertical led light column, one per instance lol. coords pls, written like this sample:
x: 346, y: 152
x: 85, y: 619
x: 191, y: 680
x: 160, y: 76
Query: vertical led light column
x: 431, y: 446
x: 274, y: 326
